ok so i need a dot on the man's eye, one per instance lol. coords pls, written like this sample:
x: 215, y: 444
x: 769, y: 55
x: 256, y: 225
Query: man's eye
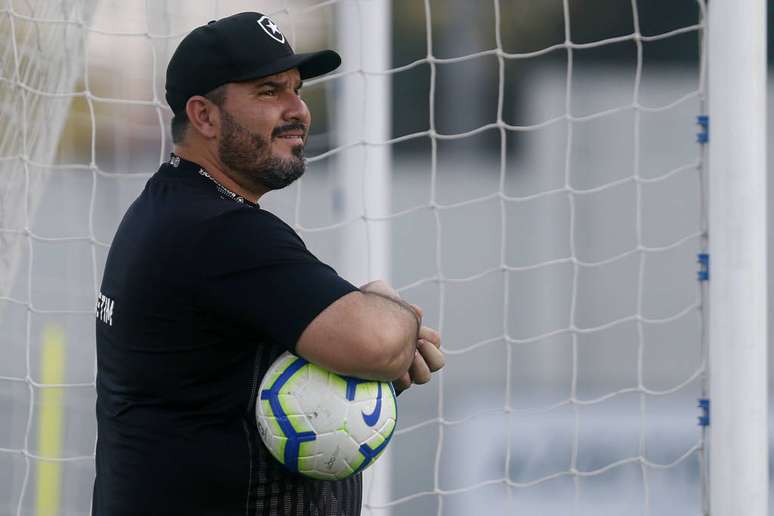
x: 269, y: 92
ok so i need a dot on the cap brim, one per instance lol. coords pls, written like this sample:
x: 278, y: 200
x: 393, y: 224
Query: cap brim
x: 319, y: 63
x: 312, y: 64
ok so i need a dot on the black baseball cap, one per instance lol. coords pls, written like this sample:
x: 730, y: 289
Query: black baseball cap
x: 240, y: 47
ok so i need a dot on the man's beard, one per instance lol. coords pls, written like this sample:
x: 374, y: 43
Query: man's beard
x: 249, y: 157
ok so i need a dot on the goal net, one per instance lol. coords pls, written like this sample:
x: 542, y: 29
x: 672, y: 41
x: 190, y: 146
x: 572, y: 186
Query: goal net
x: 527, y: 172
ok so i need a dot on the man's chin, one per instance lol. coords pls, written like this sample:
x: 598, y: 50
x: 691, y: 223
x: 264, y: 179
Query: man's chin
x: 281, y: 173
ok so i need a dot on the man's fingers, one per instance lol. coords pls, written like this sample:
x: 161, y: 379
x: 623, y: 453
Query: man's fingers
x: 382, y: 288
x: 419, y: 370
x: 418, y: 310
x: 430, y: 335
x: 431, y: 355
x: 428, y: 357
x: 402, y: 383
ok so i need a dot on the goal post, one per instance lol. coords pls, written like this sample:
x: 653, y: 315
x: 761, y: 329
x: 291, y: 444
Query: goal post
x: 739, y: 458
x: 363, y: 180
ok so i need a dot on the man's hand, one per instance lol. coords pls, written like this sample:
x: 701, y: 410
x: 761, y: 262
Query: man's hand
x: 428, y: 358
x: 381, y: 287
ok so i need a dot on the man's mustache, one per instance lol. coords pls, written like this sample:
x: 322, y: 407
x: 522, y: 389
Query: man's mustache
x: 288, y: 128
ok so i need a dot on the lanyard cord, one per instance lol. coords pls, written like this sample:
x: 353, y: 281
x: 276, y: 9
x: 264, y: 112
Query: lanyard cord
x: 174, y: 160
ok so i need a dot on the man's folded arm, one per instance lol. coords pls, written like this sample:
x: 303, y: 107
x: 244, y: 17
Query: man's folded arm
x: 363, y: 334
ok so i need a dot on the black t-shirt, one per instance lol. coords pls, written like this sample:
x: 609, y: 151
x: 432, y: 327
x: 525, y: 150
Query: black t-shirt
x: 200, y: 294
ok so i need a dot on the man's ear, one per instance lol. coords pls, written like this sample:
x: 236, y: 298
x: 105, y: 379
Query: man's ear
x: 203, y: 115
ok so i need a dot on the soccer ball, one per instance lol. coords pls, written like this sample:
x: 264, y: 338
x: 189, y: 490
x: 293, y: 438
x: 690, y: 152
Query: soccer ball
x: 321, y: 424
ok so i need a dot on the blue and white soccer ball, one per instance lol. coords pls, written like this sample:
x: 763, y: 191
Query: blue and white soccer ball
x: 321, y: 424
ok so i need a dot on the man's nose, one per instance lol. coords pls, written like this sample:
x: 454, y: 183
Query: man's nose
x: 296, y: 110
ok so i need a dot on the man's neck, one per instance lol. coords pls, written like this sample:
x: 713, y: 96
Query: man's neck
x: 216, y: 170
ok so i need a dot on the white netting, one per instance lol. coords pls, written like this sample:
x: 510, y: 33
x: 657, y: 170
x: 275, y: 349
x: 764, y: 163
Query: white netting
x: 544, y: 206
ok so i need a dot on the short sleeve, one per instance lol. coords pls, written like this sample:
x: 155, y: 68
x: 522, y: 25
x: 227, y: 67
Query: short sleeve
x: 257, y: 272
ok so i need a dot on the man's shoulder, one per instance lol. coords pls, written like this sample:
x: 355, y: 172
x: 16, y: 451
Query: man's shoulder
x: 236, y: 219
x: 248, y: 230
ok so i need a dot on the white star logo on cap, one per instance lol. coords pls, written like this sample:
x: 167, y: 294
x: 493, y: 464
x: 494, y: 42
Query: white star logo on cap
x: 271, y: 28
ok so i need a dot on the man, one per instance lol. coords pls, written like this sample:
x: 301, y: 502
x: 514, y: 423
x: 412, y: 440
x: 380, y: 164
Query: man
x: 203, y: 289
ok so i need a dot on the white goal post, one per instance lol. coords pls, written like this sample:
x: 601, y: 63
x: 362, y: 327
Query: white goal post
x: 739, y: 458
x: 524, y: 170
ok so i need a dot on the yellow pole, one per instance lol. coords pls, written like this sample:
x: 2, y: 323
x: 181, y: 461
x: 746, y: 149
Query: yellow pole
x: 52, y: 362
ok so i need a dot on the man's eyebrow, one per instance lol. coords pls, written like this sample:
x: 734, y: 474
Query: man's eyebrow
x: 272, y: 84
x: 276, y: 84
